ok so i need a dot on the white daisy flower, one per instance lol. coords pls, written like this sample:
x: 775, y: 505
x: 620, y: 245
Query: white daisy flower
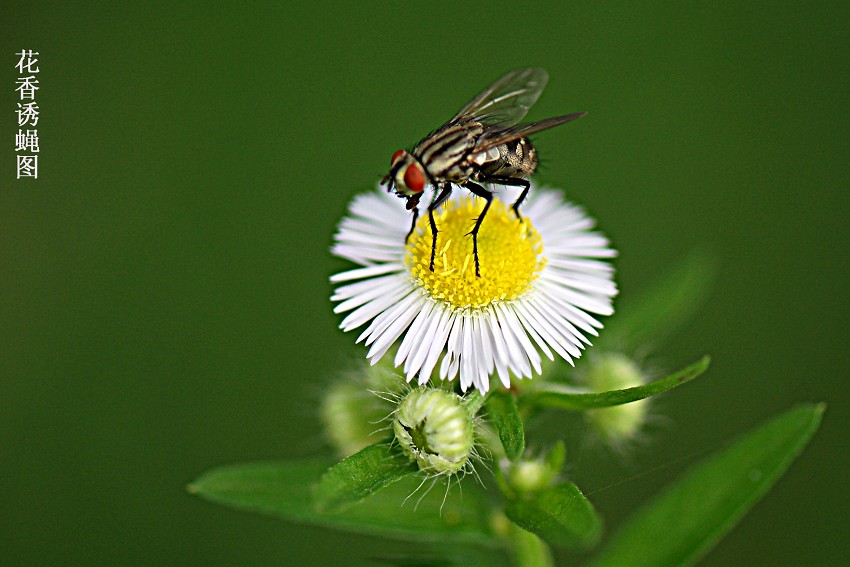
x: 541, y: 279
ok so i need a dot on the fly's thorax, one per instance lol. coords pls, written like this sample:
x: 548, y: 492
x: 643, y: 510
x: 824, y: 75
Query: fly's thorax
x: 445, y: 152
x: 516, y: 158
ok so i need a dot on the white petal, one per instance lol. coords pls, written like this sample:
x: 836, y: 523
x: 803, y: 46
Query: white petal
x: 441, y: 335
x: 500, y: 346
x: 448, y: 367
x: 394, y: 330
x: 561, y: 329
x: 388, y: 285
x: 576, y: 316
x: 532, y: 324
x: 414, y: 336
x: 368, y: 272
x: 517, y: 361
x: 373, y: 309
x: 513, y: 325
x: 467, y: 359
x: 414, y: 361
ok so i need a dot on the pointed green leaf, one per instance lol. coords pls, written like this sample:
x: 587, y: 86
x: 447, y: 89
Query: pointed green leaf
x: 563, y: 397
x: 360, y: 475
x: 529, y: 550
x: 561, y: 515
x: 683, y: 523
x: 502, y: 412
x: 285, y: 490
x: 659, y: 310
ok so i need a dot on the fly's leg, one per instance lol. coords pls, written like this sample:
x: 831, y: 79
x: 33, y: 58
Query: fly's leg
x: 478, y: 191
x: 412, y: 223
x: 439, y: 199
x: 524, y: 183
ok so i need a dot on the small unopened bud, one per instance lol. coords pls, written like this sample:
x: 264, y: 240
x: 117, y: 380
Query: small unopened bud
x: 353, y: 408
x: 435, y: 430
x: 529, y: 475
x: 617, y: 424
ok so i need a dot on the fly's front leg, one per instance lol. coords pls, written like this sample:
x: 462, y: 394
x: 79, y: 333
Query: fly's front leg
x: 439, y: 199
x: 515, y: 182
x: 412, y: 223
x: 478, y: 191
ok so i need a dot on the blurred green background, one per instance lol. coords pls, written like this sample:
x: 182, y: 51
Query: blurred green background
x: 164, y: 297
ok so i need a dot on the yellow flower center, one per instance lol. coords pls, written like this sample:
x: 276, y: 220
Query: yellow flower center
x: 509, y: 254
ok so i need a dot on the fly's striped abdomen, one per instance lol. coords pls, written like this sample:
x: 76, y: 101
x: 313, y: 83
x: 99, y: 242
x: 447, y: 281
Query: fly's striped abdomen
x: 517, y: 159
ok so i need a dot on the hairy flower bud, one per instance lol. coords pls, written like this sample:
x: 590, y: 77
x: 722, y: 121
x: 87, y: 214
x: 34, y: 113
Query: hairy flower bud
x: 435, y: 430
x: 616, y: 424
x: 352, y: 411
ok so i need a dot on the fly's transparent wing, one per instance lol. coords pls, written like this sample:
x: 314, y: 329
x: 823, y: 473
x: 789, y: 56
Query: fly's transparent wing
x: 495, y: 136
x: 505, y: 102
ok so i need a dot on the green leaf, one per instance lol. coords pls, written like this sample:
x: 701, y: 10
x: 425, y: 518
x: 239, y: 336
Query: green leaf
x: 563, y: 397
x: 502, y: 412
x: 360, y: 475
x: 529, y: 550
x: 659, y: 310
x: 683, y: 523
x: 285, y: 490
x: 560, y: 514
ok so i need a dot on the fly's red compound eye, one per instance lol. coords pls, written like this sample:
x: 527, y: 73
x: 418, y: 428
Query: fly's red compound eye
x: 396, y: 156
x: 414, y: 178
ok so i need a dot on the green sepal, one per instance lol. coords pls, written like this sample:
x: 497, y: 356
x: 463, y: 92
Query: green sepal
x: 560, y: 515
x: 691, y: 516
x: 563, y: 397
x: 360, y: 475
x: 473, y: 401
x: 503, y: 414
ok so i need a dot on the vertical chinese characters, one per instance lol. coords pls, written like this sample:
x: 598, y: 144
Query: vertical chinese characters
x: 26, y: 140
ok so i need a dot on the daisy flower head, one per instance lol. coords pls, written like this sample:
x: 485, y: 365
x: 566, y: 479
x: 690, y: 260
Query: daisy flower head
x: 542, y: 280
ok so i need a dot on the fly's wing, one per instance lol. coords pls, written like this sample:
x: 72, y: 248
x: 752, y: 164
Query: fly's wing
x: 495, y: 136
x: 505, y: 102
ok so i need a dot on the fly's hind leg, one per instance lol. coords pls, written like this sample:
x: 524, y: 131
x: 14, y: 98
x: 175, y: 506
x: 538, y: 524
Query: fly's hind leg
x: 514, y: 182
x: 479, y: 191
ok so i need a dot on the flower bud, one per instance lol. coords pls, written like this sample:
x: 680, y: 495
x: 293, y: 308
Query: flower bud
x: 529, y: 475
x: 617, y: 424
x: 352, y: 412
x: 435, y: 430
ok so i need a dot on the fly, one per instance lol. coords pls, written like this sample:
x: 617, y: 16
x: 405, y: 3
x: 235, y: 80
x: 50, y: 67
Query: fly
x: 481, y: 144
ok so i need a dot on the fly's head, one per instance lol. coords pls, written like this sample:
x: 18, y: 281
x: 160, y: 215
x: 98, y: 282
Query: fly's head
x: 406, y: 178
